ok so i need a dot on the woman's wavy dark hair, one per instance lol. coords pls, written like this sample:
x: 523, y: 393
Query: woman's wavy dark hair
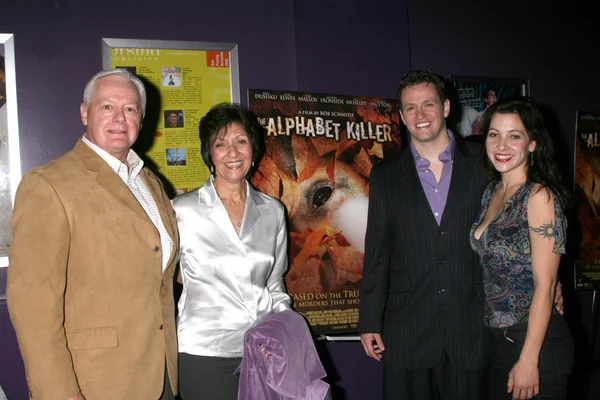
x: 544, y: 170
x: 221, y: 116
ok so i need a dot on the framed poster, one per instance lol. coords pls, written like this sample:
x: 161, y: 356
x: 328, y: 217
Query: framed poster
x: 587, y: 198
x: 183, y: 81
x: 319, y: 152
x: 475, y: 94
x: 10, y: 156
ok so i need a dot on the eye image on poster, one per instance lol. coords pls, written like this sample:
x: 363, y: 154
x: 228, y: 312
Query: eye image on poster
x: 587, y: 196
x: 319, y: 152
x: 476, y: 94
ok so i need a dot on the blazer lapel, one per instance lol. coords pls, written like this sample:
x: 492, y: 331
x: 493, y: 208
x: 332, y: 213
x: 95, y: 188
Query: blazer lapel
x: 461, y: 166
x: 108, y: 179
x: 409, y: 178
x: 166, y: 213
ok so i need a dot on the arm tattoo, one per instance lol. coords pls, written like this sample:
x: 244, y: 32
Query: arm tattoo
x: 547, y: 231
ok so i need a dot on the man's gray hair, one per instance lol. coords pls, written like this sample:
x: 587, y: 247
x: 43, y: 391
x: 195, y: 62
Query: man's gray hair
x: 90, y: 88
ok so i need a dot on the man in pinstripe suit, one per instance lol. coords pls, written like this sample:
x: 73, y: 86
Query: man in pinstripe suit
x: 422, y: 300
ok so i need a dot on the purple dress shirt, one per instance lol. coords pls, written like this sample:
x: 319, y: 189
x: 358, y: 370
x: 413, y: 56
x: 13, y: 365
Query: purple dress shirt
x: 294, y: 371
x: 436, y: 192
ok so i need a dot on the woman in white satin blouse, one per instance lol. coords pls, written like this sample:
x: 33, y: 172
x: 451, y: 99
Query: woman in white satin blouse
x: 233, y: 256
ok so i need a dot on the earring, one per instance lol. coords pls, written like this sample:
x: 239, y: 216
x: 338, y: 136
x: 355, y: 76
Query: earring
x: 531, y: 162
x: 212, y: 169
x: 253, y: 163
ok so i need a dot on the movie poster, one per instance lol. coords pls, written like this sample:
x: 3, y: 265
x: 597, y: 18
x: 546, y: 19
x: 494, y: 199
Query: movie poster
x: 10, y: 159
x: 319, y: 151
x: 5, y: 192
x: 587, y: 197
x: 189, y: 82
x: 476, y: 94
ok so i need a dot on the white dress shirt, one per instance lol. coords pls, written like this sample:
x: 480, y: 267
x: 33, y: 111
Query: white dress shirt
x: 229, y: 282
x: 131, y: 177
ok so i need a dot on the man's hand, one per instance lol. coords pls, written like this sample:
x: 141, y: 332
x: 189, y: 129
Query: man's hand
x: 78, y: 396
x: 373, y: 350
x: 558, y: 299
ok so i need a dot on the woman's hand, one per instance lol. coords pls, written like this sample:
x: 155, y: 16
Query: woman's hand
x: 524, y: 380
x: 267, y: 355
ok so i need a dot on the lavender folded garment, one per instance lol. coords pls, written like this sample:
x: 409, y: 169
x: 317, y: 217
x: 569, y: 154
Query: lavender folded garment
x: 294, y: 371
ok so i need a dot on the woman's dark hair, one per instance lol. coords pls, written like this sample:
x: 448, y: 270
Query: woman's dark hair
x: 544, y: 170
x: 220, y: 117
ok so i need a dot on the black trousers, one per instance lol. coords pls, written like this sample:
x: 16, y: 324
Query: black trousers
x: 208, y: 378
x: 555, y: 363
x: 445, y: 382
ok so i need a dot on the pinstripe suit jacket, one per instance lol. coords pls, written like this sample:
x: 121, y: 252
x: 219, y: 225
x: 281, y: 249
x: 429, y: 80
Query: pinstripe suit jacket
x: 422, y: 285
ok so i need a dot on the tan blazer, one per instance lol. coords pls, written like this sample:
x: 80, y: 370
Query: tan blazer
x: 91, y: 307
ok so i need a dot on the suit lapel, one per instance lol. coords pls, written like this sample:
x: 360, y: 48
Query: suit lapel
x: 461, y: 166
x: 114, y: 186
x: 108, y: 179
x: 166, y: 213
x: 414, y: 189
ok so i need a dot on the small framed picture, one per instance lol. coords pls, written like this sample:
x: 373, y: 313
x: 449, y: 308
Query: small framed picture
x: 476, y: 93
x: 10, y: 157
x: 173, y: 118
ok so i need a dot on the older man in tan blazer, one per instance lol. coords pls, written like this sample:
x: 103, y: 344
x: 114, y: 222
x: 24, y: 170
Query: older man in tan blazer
x: 90, y: 290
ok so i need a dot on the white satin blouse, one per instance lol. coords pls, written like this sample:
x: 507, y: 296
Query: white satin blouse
x: 229, y: 281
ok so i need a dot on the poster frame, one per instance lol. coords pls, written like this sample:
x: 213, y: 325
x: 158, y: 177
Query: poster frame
x: 7, y: 42
x: 470, y: 113
x: 109, y: 43
x: 583, y: 266
x: 523, y: 82
x: 329, y: 303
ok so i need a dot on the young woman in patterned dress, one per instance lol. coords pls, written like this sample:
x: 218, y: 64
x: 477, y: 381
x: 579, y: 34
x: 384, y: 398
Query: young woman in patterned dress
x: 520, y: 236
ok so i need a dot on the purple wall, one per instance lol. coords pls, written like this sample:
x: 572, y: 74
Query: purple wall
x: 347, y: 47
x: 351, y: 47
x: 338, y: 47
x: 12, y: 376
x: 58, y: 48
x: 555, y: 46
x: 552, y: 44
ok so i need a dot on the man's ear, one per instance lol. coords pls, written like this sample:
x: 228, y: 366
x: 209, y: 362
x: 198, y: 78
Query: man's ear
x: 446, y: 108
x: 402, y: 117
x: 83, y: 110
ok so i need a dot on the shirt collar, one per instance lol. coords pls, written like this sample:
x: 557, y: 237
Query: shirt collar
x: 134, y: 161
x: 444, y: 156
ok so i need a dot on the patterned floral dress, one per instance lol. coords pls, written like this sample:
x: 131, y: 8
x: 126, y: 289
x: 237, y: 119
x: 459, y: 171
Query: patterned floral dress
x: 504, y: 250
